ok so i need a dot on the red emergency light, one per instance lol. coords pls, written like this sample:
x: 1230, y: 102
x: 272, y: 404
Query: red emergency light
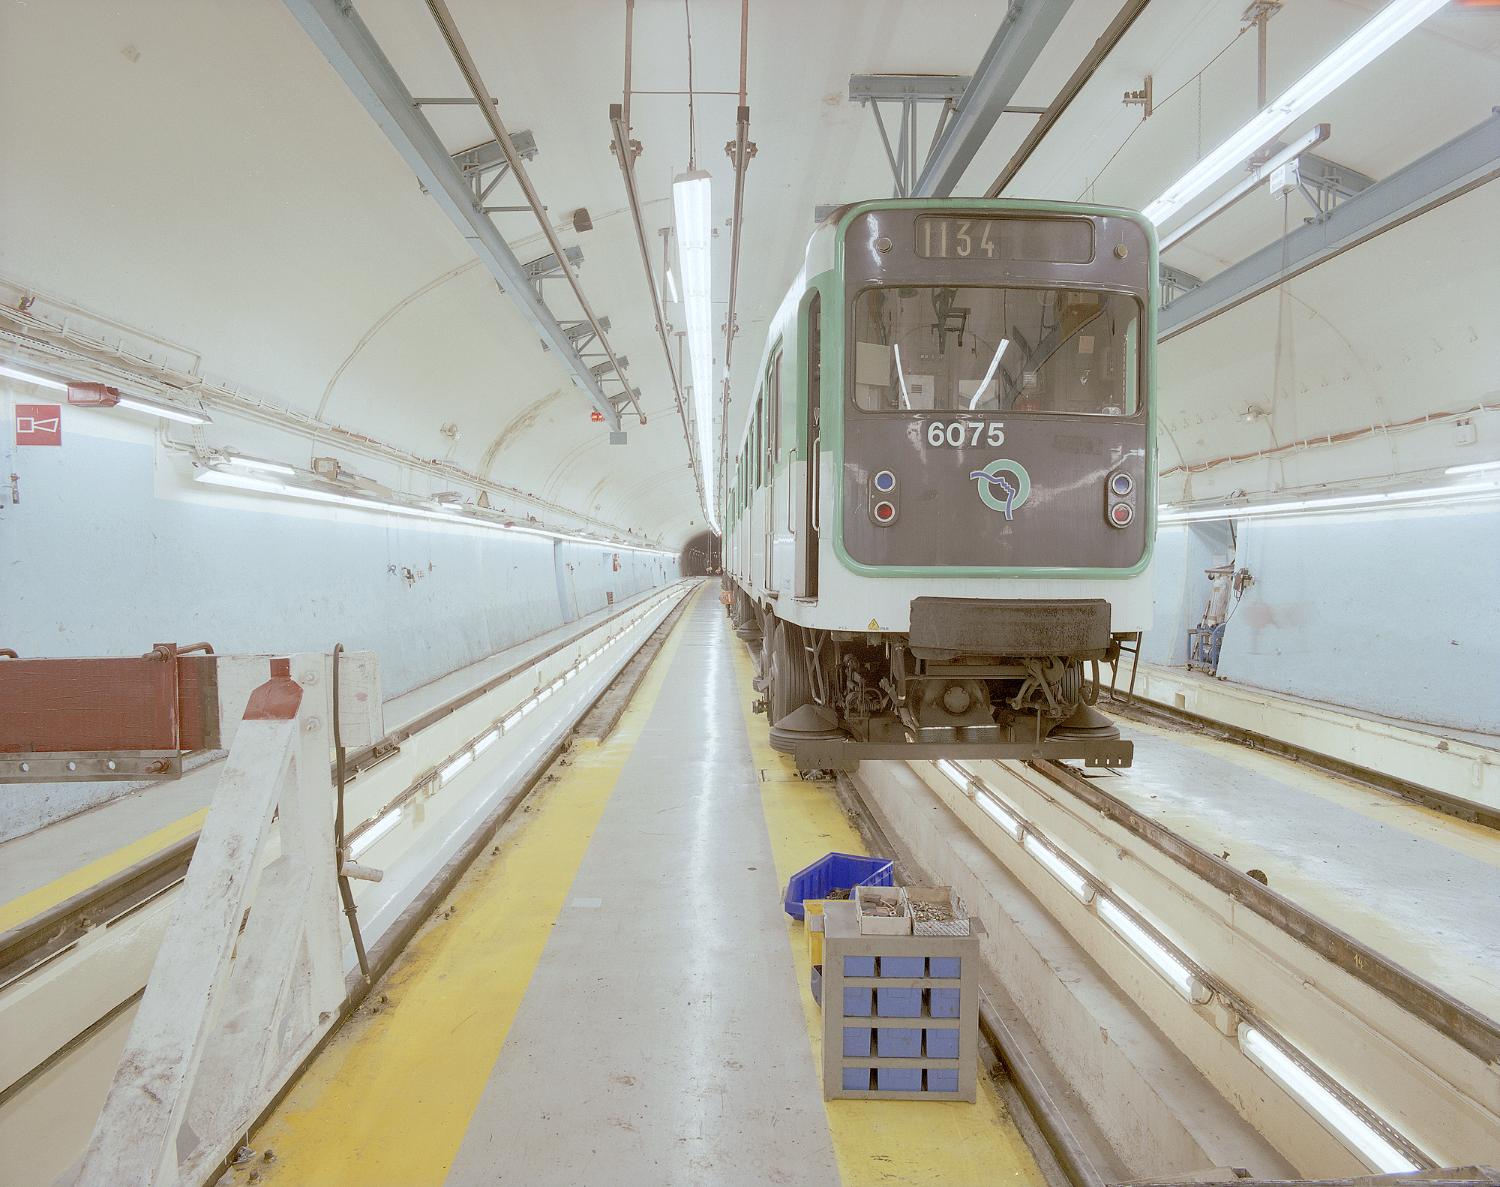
x: 93, y: 395
x: 596, y: 416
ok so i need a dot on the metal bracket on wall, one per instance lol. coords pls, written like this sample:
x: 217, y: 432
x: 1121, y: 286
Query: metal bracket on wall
x: 1326, y: 183
x: 1175, y: 282
x: 487, y: 161
x: 546, y: 267
x: 908, y: 91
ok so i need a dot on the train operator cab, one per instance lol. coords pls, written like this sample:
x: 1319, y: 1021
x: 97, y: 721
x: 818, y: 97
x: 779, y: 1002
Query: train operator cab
x: 943, y: 507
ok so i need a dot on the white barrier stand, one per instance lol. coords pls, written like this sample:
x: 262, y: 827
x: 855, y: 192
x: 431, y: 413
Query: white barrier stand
x: 250, y: 973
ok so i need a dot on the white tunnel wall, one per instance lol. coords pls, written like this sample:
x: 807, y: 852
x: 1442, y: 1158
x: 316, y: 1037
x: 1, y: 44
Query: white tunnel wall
x: 1383, y: 612
x: 100, y: 557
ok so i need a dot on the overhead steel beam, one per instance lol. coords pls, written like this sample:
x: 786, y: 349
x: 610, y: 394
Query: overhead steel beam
x: 1464, y: 163
x: 336, y: 29
x: 1027, y: 26
x: 1100, y: 50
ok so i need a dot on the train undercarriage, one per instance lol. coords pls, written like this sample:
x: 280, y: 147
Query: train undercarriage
x: 972, y: 678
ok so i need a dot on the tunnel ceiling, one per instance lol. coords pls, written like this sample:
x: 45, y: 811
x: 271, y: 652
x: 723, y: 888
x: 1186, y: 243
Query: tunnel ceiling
x: 199, y: 172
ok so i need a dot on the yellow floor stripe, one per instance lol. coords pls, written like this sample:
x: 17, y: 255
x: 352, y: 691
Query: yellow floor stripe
x: 34, y: 902
x: 909, y: 1142
x: 390, y: 1099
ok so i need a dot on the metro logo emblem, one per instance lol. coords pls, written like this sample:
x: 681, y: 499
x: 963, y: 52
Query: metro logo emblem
x: 1003, y: 486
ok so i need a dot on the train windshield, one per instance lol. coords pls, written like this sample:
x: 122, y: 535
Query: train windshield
x: 925, y: 348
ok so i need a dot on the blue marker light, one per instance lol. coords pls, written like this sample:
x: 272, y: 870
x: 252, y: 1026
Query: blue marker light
x: 1122, y: 484
x: 885, y: 481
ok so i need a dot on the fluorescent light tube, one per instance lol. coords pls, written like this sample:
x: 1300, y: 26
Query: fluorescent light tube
x: 381, y: 826
x: 1388, y: 26
x: 953, y: 771
x: 255, y: 463
x: 512, y: 721
x: 992, y: 808
x: 452, y: 770
x: 1059, y: 867
x: 165, y: 411
x: 672, y: 287
x: 1153, y: 952
x: 28, y: 377
x: 485, y: 742
x: 1473, y: 467
x: 251, y: 481
x: 1337, y: 1117
x: 1335, y: 503
x: 692, y: 199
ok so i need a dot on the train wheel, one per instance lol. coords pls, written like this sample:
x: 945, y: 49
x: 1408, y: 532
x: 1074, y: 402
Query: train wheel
x: 789, y: 688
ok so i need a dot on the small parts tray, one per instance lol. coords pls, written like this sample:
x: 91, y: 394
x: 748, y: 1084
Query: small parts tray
x: 882, y: 911
x: 936, y: 902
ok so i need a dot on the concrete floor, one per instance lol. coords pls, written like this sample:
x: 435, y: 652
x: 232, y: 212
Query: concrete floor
x: 617, y: 996
x: 1401, y: 878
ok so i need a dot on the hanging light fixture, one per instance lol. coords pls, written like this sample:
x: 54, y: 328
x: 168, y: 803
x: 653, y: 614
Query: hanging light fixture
x: 692, y: 199
x: 1372, y: 39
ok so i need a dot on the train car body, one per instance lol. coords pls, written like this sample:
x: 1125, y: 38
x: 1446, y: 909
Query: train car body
x: 942, y: 509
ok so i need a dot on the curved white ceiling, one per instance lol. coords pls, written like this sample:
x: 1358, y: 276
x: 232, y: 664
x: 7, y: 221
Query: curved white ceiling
x: 199, y: 172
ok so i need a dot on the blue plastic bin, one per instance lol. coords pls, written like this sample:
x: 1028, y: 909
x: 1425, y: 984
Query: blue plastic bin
x: 856, y: 1079
x: 898, y: 1003
x: 859, y: 966
x: 900, y: 966
x: 898, y: 1042
x: 856, y: 1040
x: 945, y: 966
x: 900, y: 1079
x: 835, y: 871
x: 857, y: 1002
x: 942, y: 1042
x: 942, y: 1079
x: 943, y: 1003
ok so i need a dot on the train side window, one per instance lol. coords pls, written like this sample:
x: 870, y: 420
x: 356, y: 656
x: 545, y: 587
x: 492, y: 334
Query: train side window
x: 773, y: 411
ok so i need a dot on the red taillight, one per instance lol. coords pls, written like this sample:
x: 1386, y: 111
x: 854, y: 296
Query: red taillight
x: 1120, y: 514
x: 885, y: 512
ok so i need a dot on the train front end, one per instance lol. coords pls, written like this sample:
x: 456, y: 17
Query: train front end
x: 992, y: 469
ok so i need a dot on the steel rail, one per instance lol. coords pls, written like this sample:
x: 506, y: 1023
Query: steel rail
x: 489, y: 106
x: 1144, y: 709
x: 1116, y: 29
x: 1031, y: 1087
x: 35, y: 941
x: 1452, y: 1018
x: 741, y: 157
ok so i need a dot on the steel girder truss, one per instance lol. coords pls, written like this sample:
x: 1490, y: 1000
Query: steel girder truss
x: 461, y: 183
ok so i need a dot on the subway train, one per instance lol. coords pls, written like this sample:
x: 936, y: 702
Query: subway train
x: 940, y: 515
